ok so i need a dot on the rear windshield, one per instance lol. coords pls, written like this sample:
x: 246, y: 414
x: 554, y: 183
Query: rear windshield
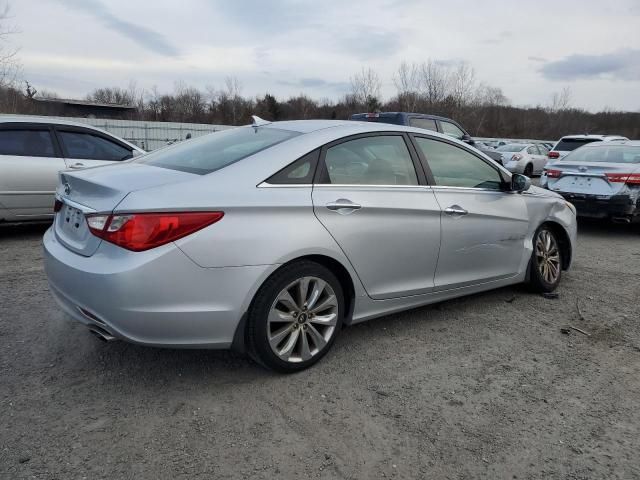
x: 570, y: 144
x: 510, y: 148
x: 217, y: 150
x: 609, y: 154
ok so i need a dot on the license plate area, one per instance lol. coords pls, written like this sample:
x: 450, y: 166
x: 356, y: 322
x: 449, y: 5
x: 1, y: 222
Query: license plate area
x: 72, y: 219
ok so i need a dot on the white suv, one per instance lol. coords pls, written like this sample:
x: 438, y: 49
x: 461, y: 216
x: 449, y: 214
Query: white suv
x: 32, y: 152
x: 570, y: 142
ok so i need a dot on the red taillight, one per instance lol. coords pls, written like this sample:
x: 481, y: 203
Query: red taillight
x: 553, y: 173
x: 143, y: 231
x: 628, y: 178
x: 57, y: 206
x: 554, y: 154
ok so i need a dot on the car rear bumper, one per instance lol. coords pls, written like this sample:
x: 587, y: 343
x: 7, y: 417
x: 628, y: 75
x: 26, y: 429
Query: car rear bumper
x: 596, y: 206
x: 158, y: 297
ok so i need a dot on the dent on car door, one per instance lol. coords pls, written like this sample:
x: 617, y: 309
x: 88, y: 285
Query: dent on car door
x: 483, y: 227
x: 29, y: 166
x: 369, y: 196
x: 85, y: 148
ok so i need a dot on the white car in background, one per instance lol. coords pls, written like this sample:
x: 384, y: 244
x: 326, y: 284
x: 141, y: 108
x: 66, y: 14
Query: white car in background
x: 32, y: 152
x: 569, y: 143
x: 526, y: 158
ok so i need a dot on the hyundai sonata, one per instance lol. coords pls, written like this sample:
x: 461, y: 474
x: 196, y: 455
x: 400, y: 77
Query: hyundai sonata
x: 270, y: 238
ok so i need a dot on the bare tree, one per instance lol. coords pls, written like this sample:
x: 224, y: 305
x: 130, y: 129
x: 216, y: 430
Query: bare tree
x: 463, y: 80
x: 561, y: 101
x: 9, y: 64
x: 408, y: 83
x: 436, y: 82
x: 365, y: 88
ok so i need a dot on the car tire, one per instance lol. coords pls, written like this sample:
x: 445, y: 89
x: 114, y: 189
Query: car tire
x: 528, y: 170
x: 545, y: 265
x: 288, y: 330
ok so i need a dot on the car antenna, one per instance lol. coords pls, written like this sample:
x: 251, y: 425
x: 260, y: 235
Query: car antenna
x: 258, y: 122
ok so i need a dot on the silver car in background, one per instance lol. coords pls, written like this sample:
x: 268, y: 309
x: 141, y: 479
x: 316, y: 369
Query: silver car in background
x: 601, y: 179
x: 32, y: 152
x: 269, y: 238
x: 526, y: 158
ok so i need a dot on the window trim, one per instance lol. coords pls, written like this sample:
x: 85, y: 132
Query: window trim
x: 321, y: 170
x: 59, y: 128
x: 57, y: 150
x: 505, y: 177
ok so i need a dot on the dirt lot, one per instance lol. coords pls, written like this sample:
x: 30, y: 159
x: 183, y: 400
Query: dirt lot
x: 483, y: 387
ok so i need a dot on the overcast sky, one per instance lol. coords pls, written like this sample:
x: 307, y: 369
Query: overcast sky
x: 529, y: 48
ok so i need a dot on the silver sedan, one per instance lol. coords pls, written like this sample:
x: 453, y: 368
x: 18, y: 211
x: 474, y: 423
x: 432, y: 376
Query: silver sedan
x: 272, y: 237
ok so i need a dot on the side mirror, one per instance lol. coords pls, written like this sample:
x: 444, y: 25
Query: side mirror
x: 466, y: 138
x: 520, y: 183
x: 135, y: 153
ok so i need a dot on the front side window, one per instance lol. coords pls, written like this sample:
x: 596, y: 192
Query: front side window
x: 378, y: 160
x: 450, y: 129
x: 532, y: 150
x: 426, y: 123
x: 26, y: 143
x: 452, y: 166
x: 214, y: 151
x: 87, y: 146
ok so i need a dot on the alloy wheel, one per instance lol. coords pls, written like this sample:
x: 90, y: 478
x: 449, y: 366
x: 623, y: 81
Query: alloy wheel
x: 548, y: 256
x: 302, y: 319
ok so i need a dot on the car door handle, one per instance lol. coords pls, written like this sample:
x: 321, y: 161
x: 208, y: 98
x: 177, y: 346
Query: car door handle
x: 343, y: 204
x: 77, y: 165
x: 455, y: 211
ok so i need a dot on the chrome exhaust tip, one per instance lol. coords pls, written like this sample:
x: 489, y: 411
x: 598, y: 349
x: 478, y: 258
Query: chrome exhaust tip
x: 101, y: 334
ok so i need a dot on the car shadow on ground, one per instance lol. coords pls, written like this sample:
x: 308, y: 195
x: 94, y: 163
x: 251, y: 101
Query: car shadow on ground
x: 29, y: 230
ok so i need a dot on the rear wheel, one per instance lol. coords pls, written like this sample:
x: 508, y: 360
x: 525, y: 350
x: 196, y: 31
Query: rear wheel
x: 295, y: 317
x: 546, y: 261
x: 528, y: 170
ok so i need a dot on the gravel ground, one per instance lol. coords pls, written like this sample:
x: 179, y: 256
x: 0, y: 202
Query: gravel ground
x: 481, y: 387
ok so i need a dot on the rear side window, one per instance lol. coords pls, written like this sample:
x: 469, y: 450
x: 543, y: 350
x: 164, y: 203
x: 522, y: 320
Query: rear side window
x: 83, y: 145
x: 426, y: 123
x: 26, y: 143
x: 570, y: 144
x: 212, y: 152
x: 299, y: 172
x: 377, y: 160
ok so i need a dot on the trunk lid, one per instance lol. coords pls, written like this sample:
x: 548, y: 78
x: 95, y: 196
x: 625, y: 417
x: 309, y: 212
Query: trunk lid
x: 100, y: 190
x: 588, y: 178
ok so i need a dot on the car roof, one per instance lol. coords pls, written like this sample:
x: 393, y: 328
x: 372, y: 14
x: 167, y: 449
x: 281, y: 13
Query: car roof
x: 404, y: 114
x: 58, y: 121
x: 588, y: 136
x: 626, y: 143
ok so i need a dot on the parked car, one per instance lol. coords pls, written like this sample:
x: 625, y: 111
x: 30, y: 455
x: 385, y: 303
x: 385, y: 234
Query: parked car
x: 269, y: 238
x: 570, y: 142
x: 32, y: 152
x: 526, y: 158
x: 601, y: 179
x: 419, y: 120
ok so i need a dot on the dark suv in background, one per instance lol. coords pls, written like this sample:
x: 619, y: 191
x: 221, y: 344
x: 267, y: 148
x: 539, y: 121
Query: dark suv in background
x: 428, y: 122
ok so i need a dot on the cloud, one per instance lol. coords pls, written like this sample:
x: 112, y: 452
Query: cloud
x: 500, y: 38
x: 368, y: 44
x: 313, y: 82
x: 533, y: 58
x: 621, y: 64
x: 141, y: 35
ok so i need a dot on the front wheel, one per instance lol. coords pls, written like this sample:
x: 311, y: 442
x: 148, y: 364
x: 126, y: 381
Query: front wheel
x: 546, y: 261
x: 528, y: 170
x: 295, y: 317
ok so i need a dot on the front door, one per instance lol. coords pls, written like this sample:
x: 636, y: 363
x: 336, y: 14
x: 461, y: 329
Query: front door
x: 483, y: 226
x: 374, y: 203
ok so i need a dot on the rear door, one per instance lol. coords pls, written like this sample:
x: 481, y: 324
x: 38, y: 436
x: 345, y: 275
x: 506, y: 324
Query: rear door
x: 370, y: 194
x: 83, y: 147
x: 29, y: 164
x: 483, y: 226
